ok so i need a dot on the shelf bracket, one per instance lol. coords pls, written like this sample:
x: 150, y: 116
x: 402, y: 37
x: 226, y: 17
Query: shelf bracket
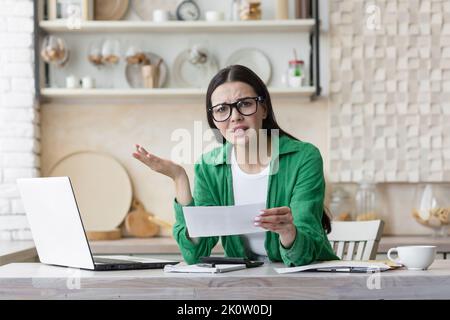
x: 314, y: 38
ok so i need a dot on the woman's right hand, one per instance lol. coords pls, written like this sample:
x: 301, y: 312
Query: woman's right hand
x: 163, y: 166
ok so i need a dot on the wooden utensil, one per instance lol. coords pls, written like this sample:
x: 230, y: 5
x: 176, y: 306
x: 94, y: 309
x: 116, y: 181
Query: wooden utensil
x: 138, y: 222
x: 104, y: 235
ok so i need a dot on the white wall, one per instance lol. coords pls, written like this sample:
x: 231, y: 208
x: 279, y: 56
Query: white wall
x: 19, y: 119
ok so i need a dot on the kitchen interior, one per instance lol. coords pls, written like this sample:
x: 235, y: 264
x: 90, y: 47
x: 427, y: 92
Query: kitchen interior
x: 366, y: 82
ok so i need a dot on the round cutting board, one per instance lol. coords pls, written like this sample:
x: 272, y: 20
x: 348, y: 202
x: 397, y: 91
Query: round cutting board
x: 110, y: 9
x: 102, y: 188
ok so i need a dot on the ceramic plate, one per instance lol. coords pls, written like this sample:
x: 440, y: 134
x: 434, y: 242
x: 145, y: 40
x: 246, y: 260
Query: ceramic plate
x: 189, y: 75
x: 144, y: 8
x: 110, y: 9
x: 133, y: 72
x: 102, y: 188
x: 253, y: 59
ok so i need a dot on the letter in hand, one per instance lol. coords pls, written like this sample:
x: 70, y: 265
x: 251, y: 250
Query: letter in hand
x: 160, y: 165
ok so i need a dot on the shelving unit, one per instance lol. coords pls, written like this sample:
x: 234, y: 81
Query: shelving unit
x: 304, y: 25
x: 56, y: 93
x: 43, y: 27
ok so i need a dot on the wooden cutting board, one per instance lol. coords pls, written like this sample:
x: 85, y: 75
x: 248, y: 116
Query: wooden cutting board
x: 110, y: 9
x: 102, y: 189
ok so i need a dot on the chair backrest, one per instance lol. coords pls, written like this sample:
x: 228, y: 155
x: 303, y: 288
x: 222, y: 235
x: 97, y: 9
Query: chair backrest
x: 356, y: 240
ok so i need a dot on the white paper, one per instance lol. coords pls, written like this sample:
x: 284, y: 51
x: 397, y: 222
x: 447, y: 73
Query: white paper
x: 222, y: 220
x: 219, y: 268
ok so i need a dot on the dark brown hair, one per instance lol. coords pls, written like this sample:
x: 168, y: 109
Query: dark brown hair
x: 238, y: 73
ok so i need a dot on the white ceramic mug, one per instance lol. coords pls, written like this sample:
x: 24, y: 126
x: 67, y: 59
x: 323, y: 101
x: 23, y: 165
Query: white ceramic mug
x: 160, y: 15
x: 414, y: 257
x: 214, y: 15
x: 87, y: 83
x: 72, y: 82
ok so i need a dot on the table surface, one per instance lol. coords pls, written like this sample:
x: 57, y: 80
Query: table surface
x: 38, y: 281
x: 17, y: 251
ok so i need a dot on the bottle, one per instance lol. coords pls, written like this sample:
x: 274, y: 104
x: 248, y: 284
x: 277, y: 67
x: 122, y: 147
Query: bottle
x: 235, y: 10
x: 366, y: 202
x: 295, y: 73
x: 302, y: 9
x: 282, y: 10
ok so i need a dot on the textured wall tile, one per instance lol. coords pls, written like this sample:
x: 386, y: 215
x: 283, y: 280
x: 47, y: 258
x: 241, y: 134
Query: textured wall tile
x: 391, y: 91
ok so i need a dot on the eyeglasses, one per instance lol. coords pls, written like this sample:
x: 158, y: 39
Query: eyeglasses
x: 245, y: 106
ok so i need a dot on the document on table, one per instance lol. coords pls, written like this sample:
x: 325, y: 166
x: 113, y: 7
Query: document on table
x: 198, y: 268
x: 222, y: 220
x: 342, y: 266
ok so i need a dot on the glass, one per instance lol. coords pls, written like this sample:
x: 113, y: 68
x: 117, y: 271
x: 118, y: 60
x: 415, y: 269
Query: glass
x: 55, y: 51
x: 245, y: 106
x: 432, y: 207
x: 341, y: 205
x: 366, y: 202
x: 111, y: 52
x: 95, y: 53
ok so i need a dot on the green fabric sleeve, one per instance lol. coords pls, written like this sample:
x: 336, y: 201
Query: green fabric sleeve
x: 307, y: 209
x: 194, y: 248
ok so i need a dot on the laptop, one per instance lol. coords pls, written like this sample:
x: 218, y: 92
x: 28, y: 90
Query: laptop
x: 58, y: 231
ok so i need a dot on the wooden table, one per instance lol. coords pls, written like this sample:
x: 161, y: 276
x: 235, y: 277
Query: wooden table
x: 37, y: 281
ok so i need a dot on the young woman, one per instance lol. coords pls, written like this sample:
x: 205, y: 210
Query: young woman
x: 287, y: 176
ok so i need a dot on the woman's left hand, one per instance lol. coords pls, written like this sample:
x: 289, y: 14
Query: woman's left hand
x: 278, y: 220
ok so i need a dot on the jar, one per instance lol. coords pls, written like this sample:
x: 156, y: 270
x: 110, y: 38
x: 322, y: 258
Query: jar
x: 295, y: 73
x: 341, y: 205
x: 366, y: 202
x: 432, y: 207
x: 250, y: 10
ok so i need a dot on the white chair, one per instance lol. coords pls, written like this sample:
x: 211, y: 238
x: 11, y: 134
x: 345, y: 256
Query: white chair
x: 362, y: 237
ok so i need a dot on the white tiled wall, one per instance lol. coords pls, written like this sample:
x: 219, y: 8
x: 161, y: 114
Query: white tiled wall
x: 19, y: 117
x: 390, y: 90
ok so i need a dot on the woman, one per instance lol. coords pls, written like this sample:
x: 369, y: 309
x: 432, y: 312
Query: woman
x: 238, y: 105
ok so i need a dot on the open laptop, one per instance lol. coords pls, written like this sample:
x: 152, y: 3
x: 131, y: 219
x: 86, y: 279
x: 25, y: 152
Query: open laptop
x: 58, y: 230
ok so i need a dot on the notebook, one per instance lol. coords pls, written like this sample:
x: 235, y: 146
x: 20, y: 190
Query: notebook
x: 202, y: 268
x: 343, y: 266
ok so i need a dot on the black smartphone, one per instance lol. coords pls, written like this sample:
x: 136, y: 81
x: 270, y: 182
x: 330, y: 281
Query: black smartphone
x: 230, y: 260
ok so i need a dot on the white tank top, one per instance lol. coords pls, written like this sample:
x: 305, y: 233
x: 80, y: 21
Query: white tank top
x: 248, y: 189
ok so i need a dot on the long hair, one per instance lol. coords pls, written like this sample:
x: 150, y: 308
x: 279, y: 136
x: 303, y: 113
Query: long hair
x: 238, y: 73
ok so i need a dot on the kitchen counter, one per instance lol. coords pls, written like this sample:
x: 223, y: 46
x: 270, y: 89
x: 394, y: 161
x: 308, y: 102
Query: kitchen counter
x: 168, y: 245
x: 17, y: 251
x: 38, y: 281
x: 20, y: 251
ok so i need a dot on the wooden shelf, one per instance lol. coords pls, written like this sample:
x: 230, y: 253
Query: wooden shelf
x: 298, y: 25
x: 58, y: 93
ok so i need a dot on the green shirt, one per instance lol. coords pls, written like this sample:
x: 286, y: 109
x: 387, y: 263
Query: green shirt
x: 296, y: 180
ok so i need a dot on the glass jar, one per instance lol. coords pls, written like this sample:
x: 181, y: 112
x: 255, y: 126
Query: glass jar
x: 432, y: 207
x: 295, y: 73
x: 250, y: 10
x: 341, y: 205
x: 366, y: 202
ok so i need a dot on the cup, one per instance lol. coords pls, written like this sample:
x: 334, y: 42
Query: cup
x: 214, y: 15
x: 160, y: 15
x: 72, y: 82
x: 87, y: 83
x: 414, y: 257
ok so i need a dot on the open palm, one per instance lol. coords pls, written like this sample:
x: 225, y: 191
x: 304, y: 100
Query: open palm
x: 161, y: 165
